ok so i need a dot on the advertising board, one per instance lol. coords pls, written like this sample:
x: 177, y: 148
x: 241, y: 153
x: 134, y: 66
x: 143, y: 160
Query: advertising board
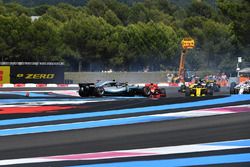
x: 29, y: 73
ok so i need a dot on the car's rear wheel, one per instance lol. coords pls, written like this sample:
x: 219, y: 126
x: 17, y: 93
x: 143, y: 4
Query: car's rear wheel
x: 82, y: 92
x: 232, y: 90
x: 131, y: 92
x: 99, y: 91
x: 163, y: 92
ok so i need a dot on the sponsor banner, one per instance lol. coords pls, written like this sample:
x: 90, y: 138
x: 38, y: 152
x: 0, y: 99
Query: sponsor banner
x: 37, y: 74
x: 4, y: 74
x: 32, y: 85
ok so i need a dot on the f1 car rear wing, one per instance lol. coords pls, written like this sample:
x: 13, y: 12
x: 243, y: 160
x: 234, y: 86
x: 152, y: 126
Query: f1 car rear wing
x: 86, y: 84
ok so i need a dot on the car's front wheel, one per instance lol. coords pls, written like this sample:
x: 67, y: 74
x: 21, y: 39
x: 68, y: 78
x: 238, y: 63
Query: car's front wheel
x: 146, y: 91
x: 210, y: 92
x: 187, y: 92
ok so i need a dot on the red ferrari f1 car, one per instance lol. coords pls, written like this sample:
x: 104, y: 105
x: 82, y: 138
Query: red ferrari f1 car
x: 153, y: 90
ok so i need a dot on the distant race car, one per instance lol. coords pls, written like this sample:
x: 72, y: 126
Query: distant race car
x: 208, y: 84
x: 114, y: 88
x: 198, y: 89
x: 183, y: 87
x: 212, y: 84
x: 242, y: 88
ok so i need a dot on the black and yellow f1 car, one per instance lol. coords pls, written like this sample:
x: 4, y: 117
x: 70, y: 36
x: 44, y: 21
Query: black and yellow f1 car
x: 198, y: 90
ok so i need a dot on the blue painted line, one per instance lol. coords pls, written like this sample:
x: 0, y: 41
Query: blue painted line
x: 230, y: 99
x: 205, y: 160
x: 17, y: 101
x: 83, y: 125
x: 232, y: 143
x: 39, y: 95
x: 32, y: 94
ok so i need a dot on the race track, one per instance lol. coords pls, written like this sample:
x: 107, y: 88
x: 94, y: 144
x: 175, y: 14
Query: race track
x: 58, y: 128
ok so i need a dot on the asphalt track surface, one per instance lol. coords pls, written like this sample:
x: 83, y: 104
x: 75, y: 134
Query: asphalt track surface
x: 206, y: 131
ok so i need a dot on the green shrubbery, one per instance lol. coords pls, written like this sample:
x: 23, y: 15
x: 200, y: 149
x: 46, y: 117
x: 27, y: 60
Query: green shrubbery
x: 109, y: 34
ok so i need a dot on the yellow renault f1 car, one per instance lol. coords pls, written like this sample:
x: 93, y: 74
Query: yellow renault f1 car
x: 198, y: 90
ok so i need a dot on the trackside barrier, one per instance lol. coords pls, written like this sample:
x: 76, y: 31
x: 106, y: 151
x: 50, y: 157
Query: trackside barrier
x: 52, y: 85
x: 19, y: 85
x: 7, y: 85
x: 41, y: 85
x: 162, y: 84
x: 32, y: 85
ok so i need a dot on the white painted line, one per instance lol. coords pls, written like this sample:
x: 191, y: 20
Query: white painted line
x: 25, y: 161
x: 195, y: 113
x: 8, y: 85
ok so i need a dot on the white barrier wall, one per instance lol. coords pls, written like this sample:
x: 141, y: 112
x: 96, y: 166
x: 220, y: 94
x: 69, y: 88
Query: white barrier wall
x: 131, y: 77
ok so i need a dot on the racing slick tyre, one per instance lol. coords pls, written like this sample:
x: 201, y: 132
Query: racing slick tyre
x: 182, y: 88
x: 131, y: 92
x: 210, y: 91
x: 82, y: 92
x: 146, y: 91
x: 99, y: 92
x: 187, y: 92
x: 163, y: 92
x: 236, y: 91
x: 216, y: 88
x: 232, y: 90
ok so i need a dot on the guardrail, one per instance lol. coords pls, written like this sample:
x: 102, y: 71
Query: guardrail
x: 32, y: 85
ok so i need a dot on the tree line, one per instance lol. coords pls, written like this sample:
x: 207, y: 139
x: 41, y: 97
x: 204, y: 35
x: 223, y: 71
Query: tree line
x: 109, y: 34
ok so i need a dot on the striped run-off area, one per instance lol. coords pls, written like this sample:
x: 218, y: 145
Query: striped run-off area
x: 70, y: 125
x: 226, y: 145
x: 231, y: 99
x: 123, y: 121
